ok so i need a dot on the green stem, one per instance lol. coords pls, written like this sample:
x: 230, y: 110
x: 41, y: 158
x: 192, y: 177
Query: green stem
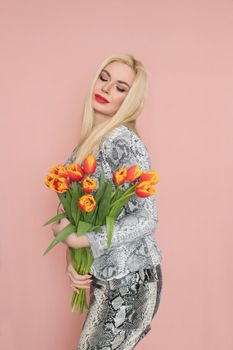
x: 120, y: 199
x: 130, y: 188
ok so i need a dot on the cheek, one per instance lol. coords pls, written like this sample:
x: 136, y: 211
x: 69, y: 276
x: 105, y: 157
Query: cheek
x: 118, y: 100
x: 97, y: 86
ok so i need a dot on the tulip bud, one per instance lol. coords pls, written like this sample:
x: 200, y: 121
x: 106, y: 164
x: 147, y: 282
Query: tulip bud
x: 144, y: 189
x: 133, y: 173
x: 57, y: 183
x: 119, y: 176
x: 59, y: 170
x: 151, y: 176
x: 89, y: 184
x: 89, y: 164
x: 87, y: 203
x: 75, y: 172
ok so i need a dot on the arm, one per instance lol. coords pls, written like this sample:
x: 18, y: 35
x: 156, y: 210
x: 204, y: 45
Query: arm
x: 76, y: 242
x: 140, y: 216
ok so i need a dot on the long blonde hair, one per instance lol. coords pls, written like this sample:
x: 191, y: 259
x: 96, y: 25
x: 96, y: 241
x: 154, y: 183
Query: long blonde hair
x: 91, y: 136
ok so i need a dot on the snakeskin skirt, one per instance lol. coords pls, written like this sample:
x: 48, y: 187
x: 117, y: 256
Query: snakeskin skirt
x: 121, y: 310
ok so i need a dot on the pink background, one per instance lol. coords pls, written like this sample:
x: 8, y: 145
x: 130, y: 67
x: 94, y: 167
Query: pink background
x: 50, y: 51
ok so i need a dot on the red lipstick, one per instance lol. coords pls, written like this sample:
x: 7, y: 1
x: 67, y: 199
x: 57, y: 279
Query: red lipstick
x: 101, y: 99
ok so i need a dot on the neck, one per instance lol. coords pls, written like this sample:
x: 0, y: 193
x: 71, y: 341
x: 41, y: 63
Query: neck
x: 100, y: 118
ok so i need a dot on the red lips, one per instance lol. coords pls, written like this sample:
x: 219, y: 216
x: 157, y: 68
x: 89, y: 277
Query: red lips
x: 101, y: 99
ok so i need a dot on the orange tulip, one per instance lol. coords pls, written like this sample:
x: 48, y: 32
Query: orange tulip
x: 119, y: 176
x: 89, y: 184
x: 59, y: 170
x: 151, y: 176
x: 57, y: 183
x: 144, y: 189
x: 75, y: 172
x: 89, y: 164
x: 87, y: 202
x: 133, y: 173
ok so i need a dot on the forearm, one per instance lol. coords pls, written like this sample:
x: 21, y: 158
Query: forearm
x: 76, y: 242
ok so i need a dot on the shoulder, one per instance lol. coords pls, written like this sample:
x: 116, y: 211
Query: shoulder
x: 123, y: 136
x: 123, y: 147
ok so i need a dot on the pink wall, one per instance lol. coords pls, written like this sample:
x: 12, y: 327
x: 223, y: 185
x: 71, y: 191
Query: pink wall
x: 50, y: 51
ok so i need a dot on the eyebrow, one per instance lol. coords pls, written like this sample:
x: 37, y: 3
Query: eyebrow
x: 119, y: 81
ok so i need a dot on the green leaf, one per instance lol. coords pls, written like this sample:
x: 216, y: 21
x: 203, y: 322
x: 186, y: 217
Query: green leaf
x: 66, y: 205
x: 118, y: 206
x: 124, y: 199
x: 102, y: 186
x: 109, y: 226
x: 104, y: 205
x: 74, y: 202
x: 114, y: 212
x: 78, y: 210
x: 91, y: 216
x: 117, y: 193
x: 94, y: 228
x: 83, y: 227
x: 55, y: 218
x: 62, y: 235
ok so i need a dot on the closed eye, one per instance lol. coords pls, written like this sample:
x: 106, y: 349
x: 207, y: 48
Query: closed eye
x: 122, y: 90
x: 101, y: 78
x: 119, y: 89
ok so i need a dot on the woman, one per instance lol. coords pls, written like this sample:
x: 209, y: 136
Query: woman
x: 126, y: 281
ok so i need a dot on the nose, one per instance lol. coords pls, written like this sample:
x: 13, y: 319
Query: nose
x: 106, y: 87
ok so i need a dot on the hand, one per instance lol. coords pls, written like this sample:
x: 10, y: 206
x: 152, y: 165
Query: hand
x: 57, y: 227
x: 77, y: 281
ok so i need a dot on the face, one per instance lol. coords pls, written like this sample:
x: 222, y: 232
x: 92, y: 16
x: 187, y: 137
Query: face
x: 111, y: 87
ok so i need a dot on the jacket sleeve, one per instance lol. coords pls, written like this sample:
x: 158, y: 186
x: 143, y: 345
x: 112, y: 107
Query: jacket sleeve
x: 139, y: 216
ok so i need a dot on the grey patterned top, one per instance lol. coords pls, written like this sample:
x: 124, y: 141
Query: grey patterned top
x: 132, y: 246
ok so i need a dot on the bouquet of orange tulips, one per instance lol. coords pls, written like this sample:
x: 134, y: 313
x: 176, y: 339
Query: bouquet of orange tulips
x: 88, y: 205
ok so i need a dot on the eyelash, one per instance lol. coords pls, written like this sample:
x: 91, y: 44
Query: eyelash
x: 121, y: 90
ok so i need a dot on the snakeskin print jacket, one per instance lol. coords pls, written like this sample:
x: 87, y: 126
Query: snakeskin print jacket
x: 132, y: 246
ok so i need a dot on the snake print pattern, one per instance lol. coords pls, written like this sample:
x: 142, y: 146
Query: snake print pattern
x: 132, y: 246
x: 121, y: 310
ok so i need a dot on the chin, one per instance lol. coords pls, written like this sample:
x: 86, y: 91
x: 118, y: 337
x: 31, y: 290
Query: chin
x: 100, y: 108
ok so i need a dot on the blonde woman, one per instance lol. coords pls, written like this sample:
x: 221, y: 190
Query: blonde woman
x: 126, y: 282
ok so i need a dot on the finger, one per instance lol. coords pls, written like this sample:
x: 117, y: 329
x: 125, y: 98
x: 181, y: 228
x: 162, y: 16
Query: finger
x: 80, y: 287
x: 74, y: 273
x: 54, y: 225
x: 74, y: 280
x: 79, y: 283
x: 54, y: 229
x: 75, y: 289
